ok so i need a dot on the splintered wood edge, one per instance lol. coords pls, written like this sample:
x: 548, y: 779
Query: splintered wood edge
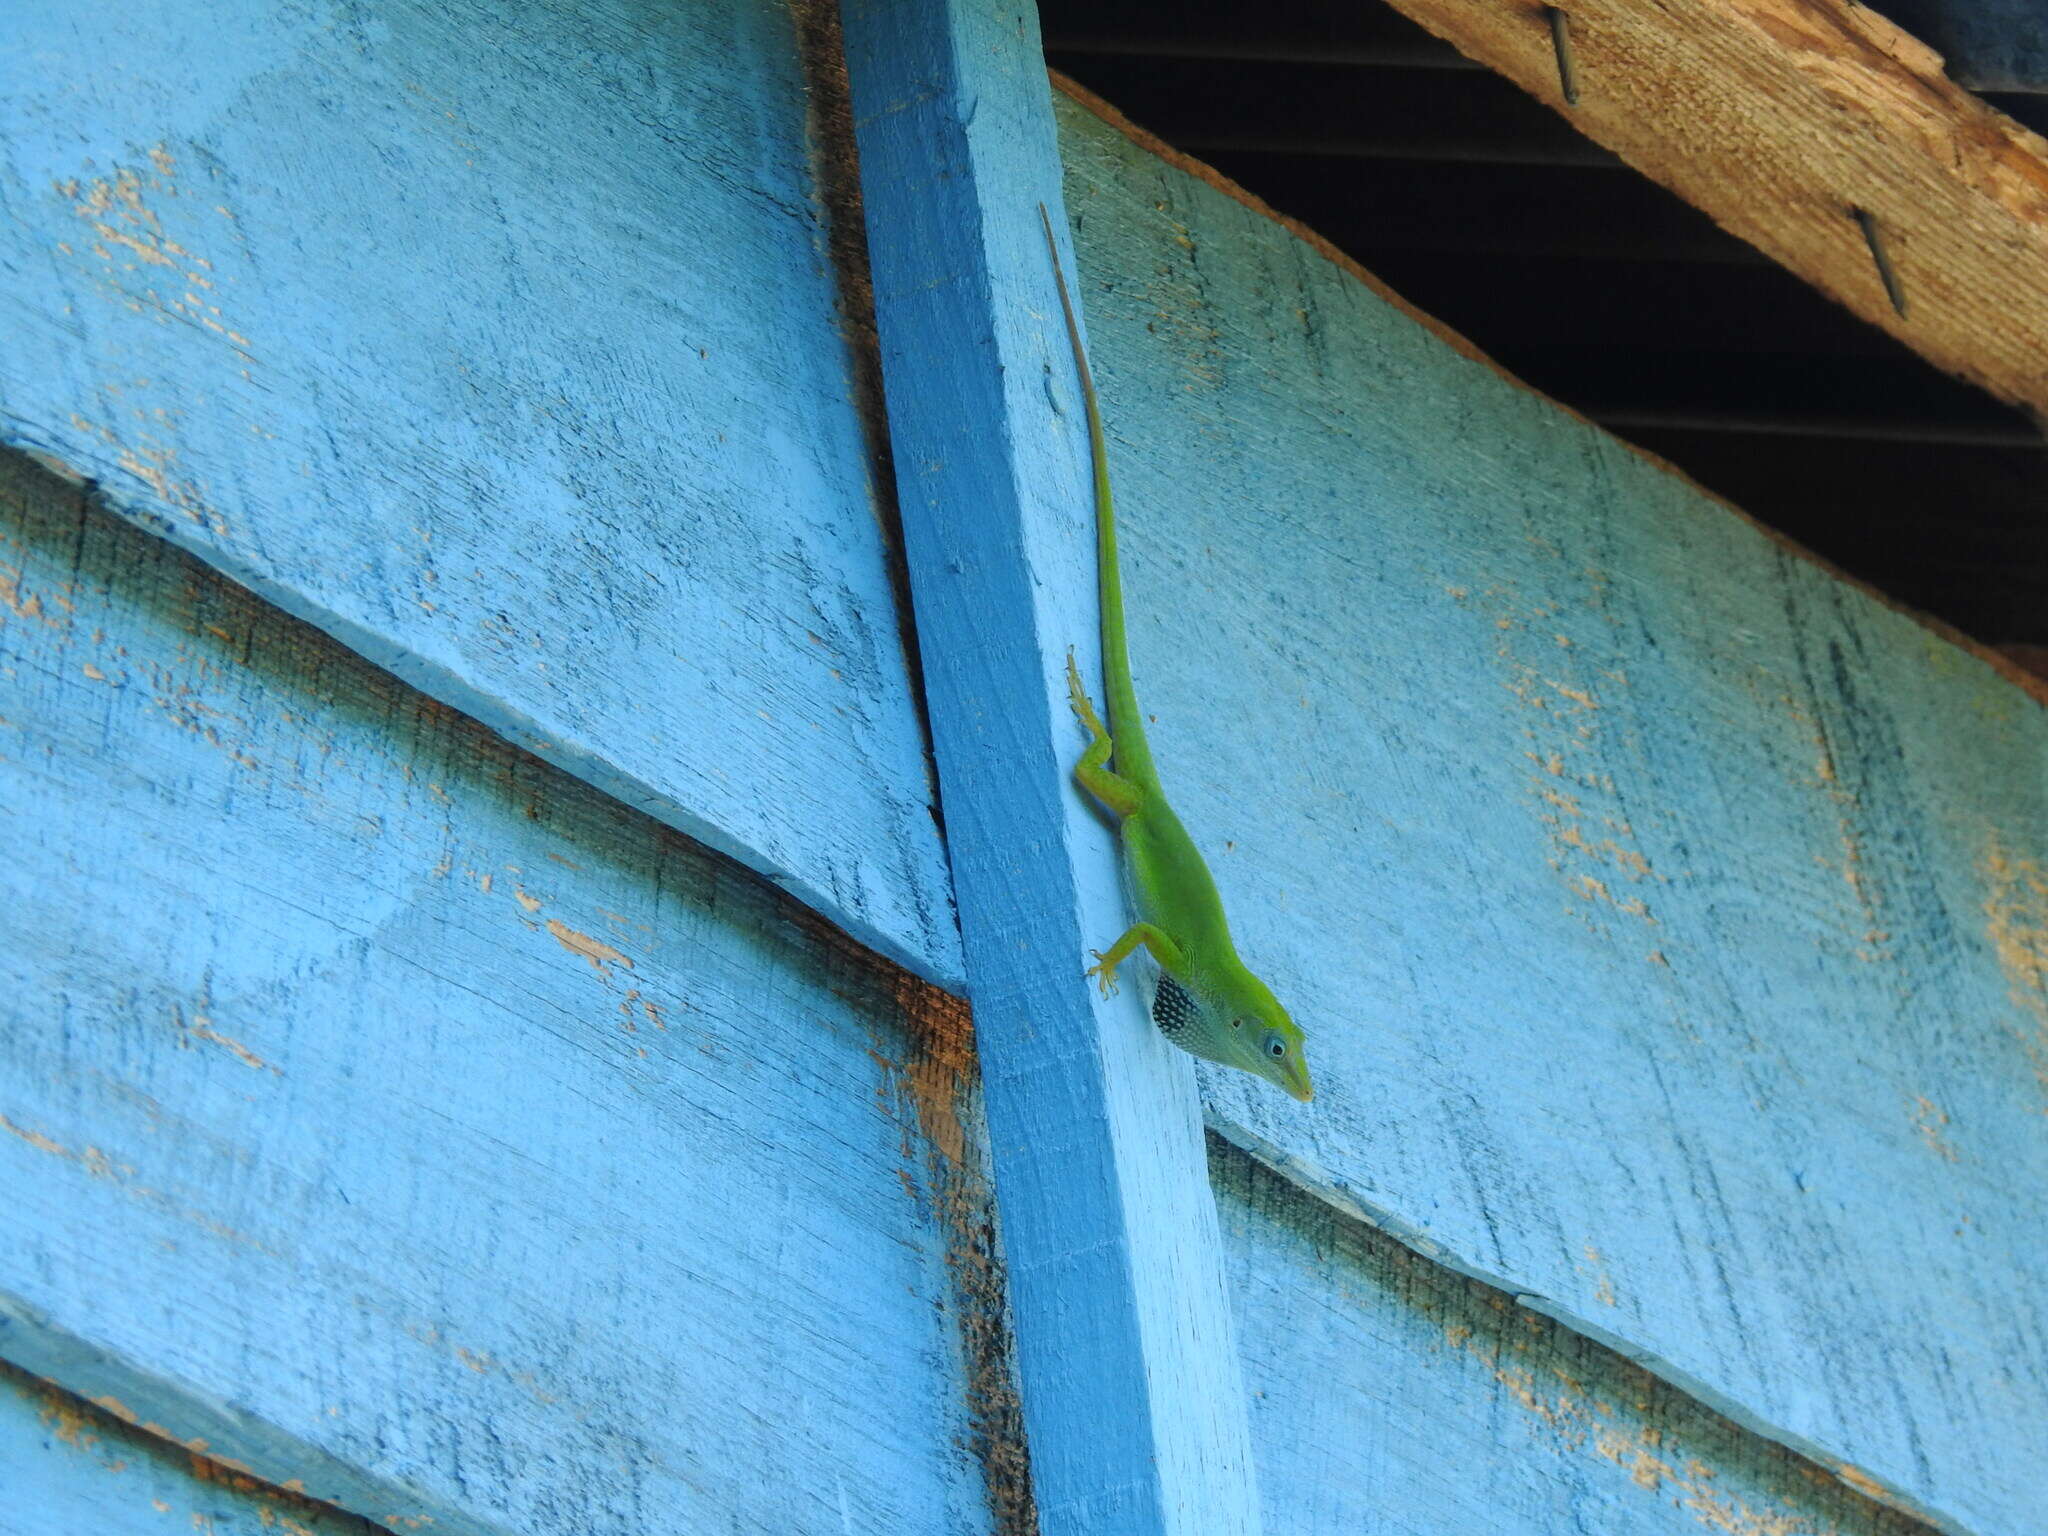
x: 1788, y: 122
x: 2028, y: 682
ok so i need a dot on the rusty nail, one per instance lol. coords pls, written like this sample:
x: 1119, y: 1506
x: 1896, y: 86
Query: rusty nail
x: 1561, y: 41
x: 1881, y: 260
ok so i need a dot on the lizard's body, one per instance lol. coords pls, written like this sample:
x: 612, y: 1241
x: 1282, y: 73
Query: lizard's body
x: 1209, y: 1002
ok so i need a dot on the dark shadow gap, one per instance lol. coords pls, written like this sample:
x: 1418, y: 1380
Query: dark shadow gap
x: 1486, y: 210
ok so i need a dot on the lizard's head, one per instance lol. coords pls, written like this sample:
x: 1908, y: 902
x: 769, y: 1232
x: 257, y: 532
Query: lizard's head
x: 1236, y: 1021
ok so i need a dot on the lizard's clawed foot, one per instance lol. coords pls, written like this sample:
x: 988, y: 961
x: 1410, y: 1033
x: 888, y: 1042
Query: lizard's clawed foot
x: 1078, y: 700
x: 1104, y: 973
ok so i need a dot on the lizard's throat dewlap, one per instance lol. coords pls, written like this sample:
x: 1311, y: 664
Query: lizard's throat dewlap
x: 1173, y: 1010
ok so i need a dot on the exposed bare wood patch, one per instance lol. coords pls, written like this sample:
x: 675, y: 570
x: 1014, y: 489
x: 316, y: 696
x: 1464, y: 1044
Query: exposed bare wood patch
x: 1824, y: 136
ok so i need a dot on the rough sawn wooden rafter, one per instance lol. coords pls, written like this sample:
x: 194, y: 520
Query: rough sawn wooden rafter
x: 1782, y: 119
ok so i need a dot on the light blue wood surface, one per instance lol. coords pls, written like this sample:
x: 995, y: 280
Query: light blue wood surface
x: 68, y: 1468
x: 1131, y: 1391
x: 395, y: 1113
x: 1390, y: 1395
x: 1666, y: 916
x: 500, y: 343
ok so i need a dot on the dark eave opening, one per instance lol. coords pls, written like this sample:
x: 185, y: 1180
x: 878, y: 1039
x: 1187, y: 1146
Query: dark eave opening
x: 1486, y: 209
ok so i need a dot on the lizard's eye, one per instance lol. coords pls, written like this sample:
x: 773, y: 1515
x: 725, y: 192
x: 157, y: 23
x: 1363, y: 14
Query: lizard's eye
x: 1275, y: 1046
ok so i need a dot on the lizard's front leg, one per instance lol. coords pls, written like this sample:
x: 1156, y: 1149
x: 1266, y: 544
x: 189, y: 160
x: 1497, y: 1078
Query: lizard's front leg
x: 1164, y: 950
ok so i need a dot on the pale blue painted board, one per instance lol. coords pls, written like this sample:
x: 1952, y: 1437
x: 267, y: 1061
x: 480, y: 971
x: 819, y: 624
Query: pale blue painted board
x: 1131, y: 1392
x: 1395, y: 1396
x: 500, y: 342
x: 395, y: 1113
x: 1666, y: 915
x: 69, y: 1469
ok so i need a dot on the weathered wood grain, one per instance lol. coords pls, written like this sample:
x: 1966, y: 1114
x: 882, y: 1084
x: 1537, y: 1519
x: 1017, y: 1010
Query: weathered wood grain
x: 67, y: 1467
x: 1781, y: 119
x: 1667, y: 917
x: 499, y: 342
x: 1131, y: 1391
x: 1392, y: 1395
x: 397, y: 1114
x: 1988, y: 45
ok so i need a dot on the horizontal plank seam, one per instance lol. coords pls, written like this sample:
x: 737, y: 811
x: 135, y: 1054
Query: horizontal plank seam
x: 1319, y: 1185
x: 85, y: 1424
x: 495, y: 714
x: 200, y: 1426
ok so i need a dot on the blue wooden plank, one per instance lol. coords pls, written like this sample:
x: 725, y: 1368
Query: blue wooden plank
x: 1392, y: 1395
x: 1665, y: 913
x: 502, y: 345
x: 1130, y: 1387
x: 398, y: 1115
x: 68, y: 1466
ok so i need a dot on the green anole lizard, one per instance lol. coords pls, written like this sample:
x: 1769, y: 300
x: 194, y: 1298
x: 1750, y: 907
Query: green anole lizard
x: 1208, y: 1003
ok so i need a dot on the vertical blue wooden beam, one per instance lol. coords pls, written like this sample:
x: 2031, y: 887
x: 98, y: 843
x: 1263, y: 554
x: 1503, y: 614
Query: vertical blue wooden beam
x: 1132, y: 1396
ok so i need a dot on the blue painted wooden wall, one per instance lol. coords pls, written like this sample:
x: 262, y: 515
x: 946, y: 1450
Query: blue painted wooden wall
x: 481, y: 1030
x: 409, y: 1122
x: 1666, y: 914
x: 1389, y: 1393
x: 502, y: 345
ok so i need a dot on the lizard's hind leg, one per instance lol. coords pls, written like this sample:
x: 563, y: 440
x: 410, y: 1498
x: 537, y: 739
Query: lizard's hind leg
x: 1119, y: 794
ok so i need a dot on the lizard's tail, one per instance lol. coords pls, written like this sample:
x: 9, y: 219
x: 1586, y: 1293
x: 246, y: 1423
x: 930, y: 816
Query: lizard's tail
x: 1133, y: 753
